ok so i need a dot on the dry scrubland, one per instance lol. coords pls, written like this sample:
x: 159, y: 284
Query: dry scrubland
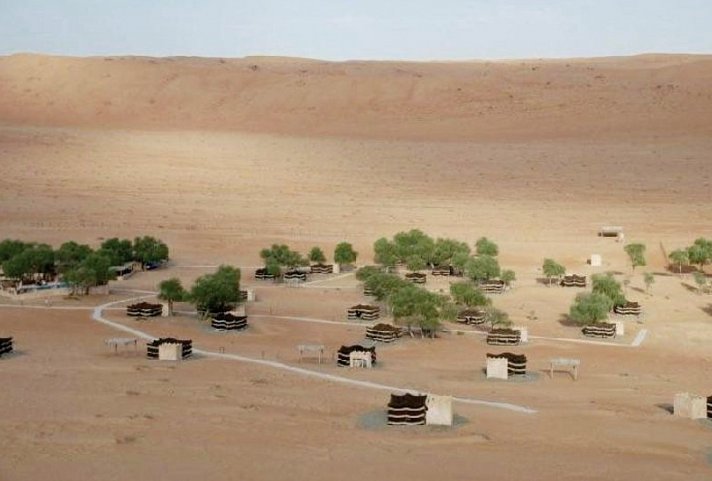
x: 221, y: 157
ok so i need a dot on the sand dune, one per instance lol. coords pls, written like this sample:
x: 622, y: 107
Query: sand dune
x: 646, y: 95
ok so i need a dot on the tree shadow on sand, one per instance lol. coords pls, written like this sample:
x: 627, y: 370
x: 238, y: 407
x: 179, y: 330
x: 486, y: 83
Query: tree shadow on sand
x: 566, y: 321
x: 707, y: 310
x: 666, y: 407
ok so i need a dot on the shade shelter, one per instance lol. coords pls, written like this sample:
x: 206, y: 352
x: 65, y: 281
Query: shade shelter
x: 416, y: 277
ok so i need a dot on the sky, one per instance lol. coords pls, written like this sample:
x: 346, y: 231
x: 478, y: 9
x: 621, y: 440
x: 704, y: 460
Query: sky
x: 357, y: 29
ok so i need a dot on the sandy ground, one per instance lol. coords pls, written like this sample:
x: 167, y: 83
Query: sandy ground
x: 539, y: 173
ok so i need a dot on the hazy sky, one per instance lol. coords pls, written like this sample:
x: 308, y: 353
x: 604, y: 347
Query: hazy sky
x: 369, y: 29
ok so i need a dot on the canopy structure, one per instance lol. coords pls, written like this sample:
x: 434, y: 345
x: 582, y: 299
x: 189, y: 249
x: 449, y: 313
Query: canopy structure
x: 573, y: 281
x: 228, y: 322
x: 384, y: 333
x: 407, y: 409
x: 601, y: 329
x: 152, y: 347
x: 115, y: 342
x: 144, y: 309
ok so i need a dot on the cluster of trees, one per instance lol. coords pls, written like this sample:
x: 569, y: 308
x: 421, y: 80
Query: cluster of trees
x: 553, y: 269
x: 77, y: 264
x: 593, y: 307
x: 412, y: 305
x: 700, y: 253
x: 211, y: 293
x: 280, y: 256
x: 417, y: 251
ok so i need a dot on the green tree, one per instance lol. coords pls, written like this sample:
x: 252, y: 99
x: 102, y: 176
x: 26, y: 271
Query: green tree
x: 367, y: 271
x: 10, y: 248
x: 148, y: 250
x: 590, y: 308
x: 700, y: 252
x: 486, y: 247
x: 700, y: 280
x: 70, y: 255
x: 497, y: 318
x: 607, y: 286
x: 280, y: 255
x: 679, y: 257
x: 35, y: 259
x: 413, y: 305
x: 171, y: 290
x: 649, y: 280
x: 385, y: 252
x: 553, y: 269
x: 94, y: 270
x: 415, y: 263
x: 414, y: 243
x: 636, y: 254
x: 468, y: 294
x: 446, y: 249
x: 344, y: 254
x: 508, y: 276
x: 384, y: 285
x: 482, y: 268
x: 316, y: 255
x: 217, y: 292
x: 119, y: 251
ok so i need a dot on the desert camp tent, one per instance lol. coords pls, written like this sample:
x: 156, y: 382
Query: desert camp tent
x: 407, y: 409
x: 5, y: 345
x: 364, y: 312
x: 493, y: 286
x: 471, y: 316
x: 144, y: 309
x: 343, y: 355
x: 262, y: 274
x: 367, y: 291
x: 611, y: 231
x: 228, y: 322
x: 503, y: 337
x: 295, y: 275
x: 383, y: 333
x: 573, y: 281
x: 516, y: 363
x: 630, y: 308
x: 152, y: 348
x: 601, y: 329
x: 446, y: 271
x: 322, y: 269
x: 416, y: 277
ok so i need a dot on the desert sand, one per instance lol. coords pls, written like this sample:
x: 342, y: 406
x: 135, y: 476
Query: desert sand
x: 221, y: 157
